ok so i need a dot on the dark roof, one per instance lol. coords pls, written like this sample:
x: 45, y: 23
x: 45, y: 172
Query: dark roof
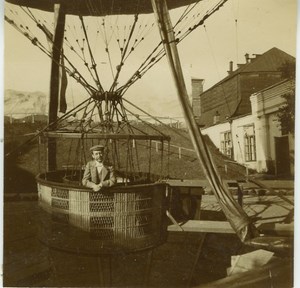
x: 99, y: 7
x: 269, y: 61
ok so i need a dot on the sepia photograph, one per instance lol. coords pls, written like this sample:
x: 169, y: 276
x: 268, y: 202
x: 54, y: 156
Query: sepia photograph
x: 149, y: 143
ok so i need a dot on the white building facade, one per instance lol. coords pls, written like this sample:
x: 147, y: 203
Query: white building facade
x: 257, y: 140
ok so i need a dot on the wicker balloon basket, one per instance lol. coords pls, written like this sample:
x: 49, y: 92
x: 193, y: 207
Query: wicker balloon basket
x: 121, y: 219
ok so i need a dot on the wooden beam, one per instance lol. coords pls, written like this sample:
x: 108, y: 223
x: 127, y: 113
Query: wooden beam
x: 60, y: 17
x: 203, y: 226
x: 199, y: 226
x: 279, y: 272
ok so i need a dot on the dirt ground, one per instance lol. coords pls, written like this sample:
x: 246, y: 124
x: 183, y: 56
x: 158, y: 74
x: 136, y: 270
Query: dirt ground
x: 185, y: 259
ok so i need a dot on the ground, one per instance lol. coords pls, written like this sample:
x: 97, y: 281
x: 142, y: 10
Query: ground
x: 27, y: 262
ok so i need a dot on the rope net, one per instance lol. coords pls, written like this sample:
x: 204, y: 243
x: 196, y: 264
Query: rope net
x: 103, y: 57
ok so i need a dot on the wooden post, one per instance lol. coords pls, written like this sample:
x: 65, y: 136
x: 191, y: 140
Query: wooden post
x: 60, y: 17
x: 148, y: 268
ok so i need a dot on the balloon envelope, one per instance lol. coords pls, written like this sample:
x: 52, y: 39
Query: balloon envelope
x: 99, y: 7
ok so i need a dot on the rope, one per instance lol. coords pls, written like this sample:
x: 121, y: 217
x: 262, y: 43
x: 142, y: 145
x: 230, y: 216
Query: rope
x: 156, y: 119
x: 43, y: 130
x: 94, y: 65
x: 123, y: 54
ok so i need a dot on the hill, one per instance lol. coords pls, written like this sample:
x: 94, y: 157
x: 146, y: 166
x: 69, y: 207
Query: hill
x: 19, y: 103
x: 26, y: 160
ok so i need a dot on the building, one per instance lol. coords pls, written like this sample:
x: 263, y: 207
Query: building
x: 244, y: 125
x: 231, y: 96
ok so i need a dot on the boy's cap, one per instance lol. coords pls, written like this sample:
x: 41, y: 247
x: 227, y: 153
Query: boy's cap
x: 97, y: 148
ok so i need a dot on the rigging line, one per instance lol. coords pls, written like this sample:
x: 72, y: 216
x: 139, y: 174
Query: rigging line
x: 100, y: 27
x: 88, y: 123
x: 134, y: 128
x: 81, y: 79
x: 21, y: 26
x: 85, y: 113
x: 140, y: 74
x: 215, y: 62
x: 29, y: 13
x: 188, y: 22
x: 71, y: 46
x: 160, y: 54
x: 148, y: 30
x: 140, y: 67
x: 83, y: 51
x: 95, y: 8
x: 137, y: 42
x: 236, y: 41
x: 42, y: 131
x: 201, y: 22
x: 118, y: 36
x: 182, y: 15
x: 112, y: 29
x: 20, y: 18
x: 112, y: 7
x: 49, y: 36
x: 37, y: 43
x: 94, y: 65
x: 186, y: 12
x: 81, y: 123
x: 123, y: 54
x: 106, y: 48
x: 69, y: 154
x: 145, y: 122
x: 141, y: 30
x: 133, y: 79
x: 100, y: 111
x: 156, y: 119
x: 32, y: 39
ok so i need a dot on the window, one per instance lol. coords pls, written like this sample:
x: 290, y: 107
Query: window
x: 249, y: 140
x: 226, y: 144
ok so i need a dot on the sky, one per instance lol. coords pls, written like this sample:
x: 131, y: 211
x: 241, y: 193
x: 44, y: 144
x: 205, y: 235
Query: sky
x: 239, y: 27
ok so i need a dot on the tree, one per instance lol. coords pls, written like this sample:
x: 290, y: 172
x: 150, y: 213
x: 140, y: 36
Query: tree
x: 286, y: 113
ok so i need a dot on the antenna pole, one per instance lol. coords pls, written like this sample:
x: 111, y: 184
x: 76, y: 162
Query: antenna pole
x: 59, y: 23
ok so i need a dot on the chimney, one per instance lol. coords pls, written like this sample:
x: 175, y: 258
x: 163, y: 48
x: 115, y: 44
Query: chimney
x: 216, y: 119
x: 230, y: 67
x: 197, y: 89
x: 247, y: 58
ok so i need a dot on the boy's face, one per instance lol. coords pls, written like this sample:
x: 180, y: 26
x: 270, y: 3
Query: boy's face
x: 98, y: 155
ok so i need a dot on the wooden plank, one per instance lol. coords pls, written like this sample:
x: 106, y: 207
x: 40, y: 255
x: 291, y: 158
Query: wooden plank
x: 203, y: 226
x: 187, y: 183
x: 279, y: 272
x: 281, y: 229
x: 200, y: 226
